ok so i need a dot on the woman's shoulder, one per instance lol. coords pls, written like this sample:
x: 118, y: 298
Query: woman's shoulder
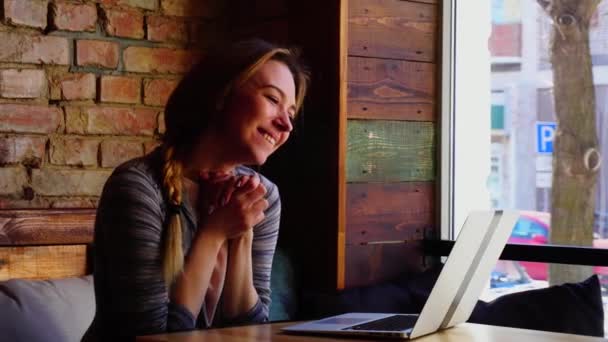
x: 144, y: 169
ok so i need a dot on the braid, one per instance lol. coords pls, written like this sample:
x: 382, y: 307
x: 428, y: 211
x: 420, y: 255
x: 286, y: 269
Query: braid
x: 173, y: 258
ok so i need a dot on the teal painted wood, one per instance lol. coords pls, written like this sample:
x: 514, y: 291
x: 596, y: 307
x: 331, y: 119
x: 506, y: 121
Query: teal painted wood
x: 390, y: 151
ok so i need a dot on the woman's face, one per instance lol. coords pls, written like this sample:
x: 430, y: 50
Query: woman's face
x: 259, y: 114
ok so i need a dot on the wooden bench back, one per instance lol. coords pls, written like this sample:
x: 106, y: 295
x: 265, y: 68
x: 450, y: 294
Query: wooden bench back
x: 45, y: 243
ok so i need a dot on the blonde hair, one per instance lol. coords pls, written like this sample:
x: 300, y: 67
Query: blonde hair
x: 173, y: 256
x: 301, y: 79
x: 193, y: 106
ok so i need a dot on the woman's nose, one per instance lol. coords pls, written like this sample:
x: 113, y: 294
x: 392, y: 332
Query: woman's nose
x: 283, y: 122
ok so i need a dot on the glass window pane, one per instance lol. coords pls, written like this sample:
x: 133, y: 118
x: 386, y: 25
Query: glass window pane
x: 544, y: 147
x: 518, y: 150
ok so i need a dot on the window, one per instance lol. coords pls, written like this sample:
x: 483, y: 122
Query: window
x: 498, y: 117
x: 500, y: 128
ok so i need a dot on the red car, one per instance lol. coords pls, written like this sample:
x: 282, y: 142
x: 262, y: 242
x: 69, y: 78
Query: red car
x: 532, y: 228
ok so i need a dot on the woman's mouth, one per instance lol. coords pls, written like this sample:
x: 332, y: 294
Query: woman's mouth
x: 269, y: 138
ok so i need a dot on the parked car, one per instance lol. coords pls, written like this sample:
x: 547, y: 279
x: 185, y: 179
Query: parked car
x: 533, y: 228
x: 509, y: 277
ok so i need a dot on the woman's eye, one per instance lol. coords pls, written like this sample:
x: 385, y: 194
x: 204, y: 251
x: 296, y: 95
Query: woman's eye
x: 272, y: 99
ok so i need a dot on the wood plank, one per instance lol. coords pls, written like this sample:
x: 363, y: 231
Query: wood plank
x: 46, y: 226
x: 342, y: 124
x: 394, y: 211
x: 393, y: 29
x: 372, y: 264
x: 391, y: 89
x: 390, y: 151
x: 43, y: 262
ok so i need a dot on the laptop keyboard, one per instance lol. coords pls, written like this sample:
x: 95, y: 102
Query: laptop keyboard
x: 391, y: 323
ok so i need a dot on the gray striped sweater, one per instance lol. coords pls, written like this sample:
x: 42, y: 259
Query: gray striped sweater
x: 130, y: 292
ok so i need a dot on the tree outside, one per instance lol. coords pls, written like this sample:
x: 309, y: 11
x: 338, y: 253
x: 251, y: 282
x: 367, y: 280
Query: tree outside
x: 576, y: 156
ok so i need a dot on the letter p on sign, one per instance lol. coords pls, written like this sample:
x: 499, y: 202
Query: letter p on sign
x: 545, y: 133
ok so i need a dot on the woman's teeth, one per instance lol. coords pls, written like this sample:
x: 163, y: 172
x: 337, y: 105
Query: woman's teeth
x: 269, y: 138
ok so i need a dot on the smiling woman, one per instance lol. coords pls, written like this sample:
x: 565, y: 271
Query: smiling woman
x: 185, y: 236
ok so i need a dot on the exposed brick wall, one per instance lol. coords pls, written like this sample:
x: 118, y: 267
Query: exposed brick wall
x: 82, y: 89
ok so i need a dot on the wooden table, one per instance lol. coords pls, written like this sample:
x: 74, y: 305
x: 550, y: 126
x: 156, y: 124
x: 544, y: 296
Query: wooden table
x: 462, y: 332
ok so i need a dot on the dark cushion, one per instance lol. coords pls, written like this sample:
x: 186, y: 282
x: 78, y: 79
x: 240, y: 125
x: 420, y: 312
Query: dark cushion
x: 283, y: 304
x: 574, y: 308
x: 46, y: 310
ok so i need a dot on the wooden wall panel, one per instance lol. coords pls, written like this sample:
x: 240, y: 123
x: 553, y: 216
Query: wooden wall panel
x: 390, y: 89
x: 43, y: 262
x: 375, y: 263
x: 390, y: 151
x: 46, y: 226
x: 393, y: 29
x: 389, y: 211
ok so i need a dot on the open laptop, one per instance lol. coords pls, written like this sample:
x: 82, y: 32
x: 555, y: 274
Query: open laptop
x: 452, y: 299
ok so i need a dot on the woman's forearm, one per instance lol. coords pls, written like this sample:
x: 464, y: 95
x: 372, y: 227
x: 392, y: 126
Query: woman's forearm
x: 239, y: 293
x: 191, y: 285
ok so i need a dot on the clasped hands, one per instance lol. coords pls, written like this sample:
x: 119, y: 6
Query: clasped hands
x: 230, y: 205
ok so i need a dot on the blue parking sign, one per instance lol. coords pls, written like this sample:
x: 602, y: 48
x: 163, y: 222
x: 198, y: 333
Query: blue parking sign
x: 545, y: 133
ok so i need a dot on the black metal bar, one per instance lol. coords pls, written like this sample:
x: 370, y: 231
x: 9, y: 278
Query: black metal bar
x: 572, y: 255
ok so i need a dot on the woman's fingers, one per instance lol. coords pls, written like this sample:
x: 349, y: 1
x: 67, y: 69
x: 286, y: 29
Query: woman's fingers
x: 255, y: 194
x: 251, y: 183
x: 257, y: 211
x: 251, y: 191
x: 260, y: 205
x: 229, y: 187
x: 212, y: 186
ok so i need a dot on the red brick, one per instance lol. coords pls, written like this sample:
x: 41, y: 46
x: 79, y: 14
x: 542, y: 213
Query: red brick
x: 161, y: 60
x: 97, y: 53
x: 120, y: 121
x: 73, y: 151
x: 30, y: 119
x: 54, y: 182
x: 73, y: 87
x: 26, y: 12
x: 150, y: 145
x: 146, y: 4
x: 29, y: 83
x: 114, y: 152
x: 18, y: 149
x: 76, y: 120
x: 12, y: 180
x: 120, y: 89
x: 157, y: 91
x: 73, y: 17
x: 164, y: 29
x: 123, y: 23
x: 67, y: 203
x: 161, y: 123
x: 22, y: 48
x: 207, y: 8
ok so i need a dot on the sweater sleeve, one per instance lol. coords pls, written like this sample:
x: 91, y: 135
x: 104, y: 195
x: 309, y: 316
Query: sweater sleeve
x: 130, y: 292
